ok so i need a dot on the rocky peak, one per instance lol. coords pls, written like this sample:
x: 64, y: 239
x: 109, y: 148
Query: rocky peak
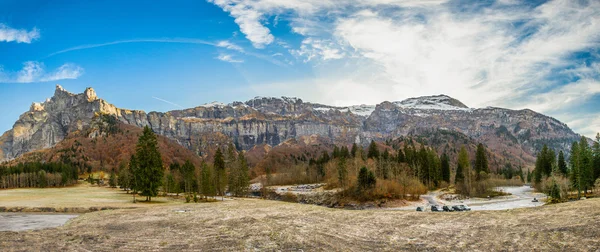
x: 61, y: 92
x: 36, y: 106
x: 439, y: 102
x: 283, y: 105
x: 90, y: 94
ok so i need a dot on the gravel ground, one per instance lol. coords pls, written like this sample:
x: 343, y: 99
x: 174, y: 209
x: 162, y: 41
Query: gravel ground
x: 253, y: 224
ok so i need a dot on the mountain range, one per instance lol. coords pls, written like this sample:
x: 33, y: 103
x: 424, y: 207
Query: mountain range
x: 513, y: 135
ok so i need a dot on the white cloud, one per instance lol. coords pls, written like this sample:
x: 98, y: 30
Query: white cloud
x: 249, y: 21
x: 33, y: 71
x: 506, y: 53
x: 64, y: 72
x: 8, y: 34
x: 316, y: 48
x: 228, y: 58
x: 229, y: 45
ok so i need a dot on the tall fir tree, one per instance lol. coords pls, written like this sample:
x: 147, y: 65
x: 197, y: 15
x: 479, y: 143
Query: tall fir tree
x: 596, y: 157
x: 481, y: 163
x: 149, y: 168
x: 220, y: 173
x: 373, y: 152
x: 562, y: 164
x: 462, y: 166
x: 575, y: 173
x: 207, y: 184
x: 445, y: 168
x: 586, y: 164
x: 354, y: 150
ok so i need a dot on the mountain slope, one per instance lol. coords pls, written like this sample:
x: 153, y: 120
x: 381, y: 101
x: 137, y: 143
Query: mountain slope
x: 517, y: 134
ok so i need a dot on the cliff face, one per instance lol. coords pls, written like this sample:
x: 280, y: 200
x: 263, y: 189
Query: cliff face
x: 275, y: 120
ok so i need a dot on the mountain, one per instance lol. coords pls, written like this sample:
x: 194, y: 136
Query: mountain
x: 514, y: 135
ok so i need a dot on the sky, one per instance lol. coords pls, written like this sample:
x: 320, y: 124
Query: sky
x: 167, y: 55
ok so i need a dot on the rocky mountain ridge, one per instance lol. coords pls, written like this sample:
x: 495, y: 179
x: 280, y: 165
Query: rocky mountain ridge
x: 272, y: 121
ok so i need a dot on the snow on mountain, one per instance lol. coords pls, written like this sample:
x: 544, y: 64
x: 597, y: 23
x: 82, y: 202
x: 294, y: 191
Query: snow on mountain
x: 362, y: 110
x: 436, y: 102
x: 214, y: 104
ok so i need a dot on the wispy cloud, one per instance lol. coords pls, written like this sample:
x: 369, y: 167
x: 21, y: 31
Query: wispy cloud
x: 513, y: 54
x: 34, y: 71
x: 8, y: 34
x: 229, y: 45
x: 228, y: 58
x: 163, y: 100
x: 162, y: 40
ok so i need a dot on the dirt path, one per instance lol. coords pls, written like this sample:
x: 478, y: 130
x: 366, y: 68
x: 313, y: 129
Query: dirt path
x: 521, y: 196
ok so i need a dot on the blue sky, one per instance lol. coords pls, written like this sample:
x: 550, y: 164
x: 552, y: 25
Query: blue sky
x: 163, y: 55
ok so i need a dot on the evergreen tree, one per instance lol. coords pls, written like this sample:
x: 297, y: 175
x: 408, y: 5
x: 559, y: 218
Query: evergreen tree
x: 342, y: 173
x: 366, y: 179
x: 521, y: 173
x: 239, y: 178
x: 373, y: 152
x: 596, y: 157
x: 124, y: 178
x: 400, y: 158
x: 207, y: 181
x: 586, y: 164
x: 149, y: 168
x: 462, y: 166
x: 562, y: 164
x: 112, y: 181
x: 220, y: 173
x: 133, y: 170
x: 445, y: 167
x: 336, y: 152
x: 189, y: 177
x: 353, y: 150
x: 481, y: 163
x: 575, y: 173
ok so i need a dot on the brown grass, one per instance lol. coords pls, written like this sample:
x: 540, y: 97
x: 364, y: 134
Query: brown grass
x: 248, y: 224
x: 80, y: 196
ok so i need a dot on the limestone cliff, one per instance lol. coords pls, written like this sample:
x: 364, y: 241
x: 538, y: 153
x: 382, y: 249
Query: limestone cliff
x: 272, y: 121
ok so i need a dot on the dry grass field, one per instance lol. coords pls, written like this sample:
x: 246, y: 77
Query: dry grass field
x: 252, y: 224
x: 78, y: 198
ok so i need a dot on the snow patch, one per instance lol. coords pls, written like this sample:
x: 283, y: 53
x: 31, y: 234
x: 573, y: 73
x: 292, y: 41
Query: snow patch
x: 214, y: 104
x: 362, y: 110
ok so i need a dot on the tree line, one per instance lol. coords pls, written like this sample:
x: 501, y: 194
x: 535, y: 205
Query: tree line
x: 557, y: 175
x: 37, y: 174
x: 145, y: 173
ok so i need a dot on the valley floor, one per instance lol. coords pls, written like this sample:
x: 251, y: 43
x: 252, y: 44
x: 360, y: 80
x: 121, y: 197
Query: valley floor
x: 253, y: 224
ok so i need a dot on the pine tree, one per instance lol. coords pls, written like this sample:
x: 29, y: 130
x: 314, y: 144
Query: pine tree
x: 149, y: 170
x: 353, y: 150
x: 373, y: 152
x: 243, y: 176
x: 220, y: 173
x: 562, y: 164
x: 575, y: 173
x: 445, y: 167
x: 189, y: 177
x: 366, y: 179
x: 400, y: 157
x: 586, y: 164
x: 596, y: 157
x: 481, y: 163
x: 342, y: 173
x: 112, y: 181
x: 462, y: 166
x: 207, y: 181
